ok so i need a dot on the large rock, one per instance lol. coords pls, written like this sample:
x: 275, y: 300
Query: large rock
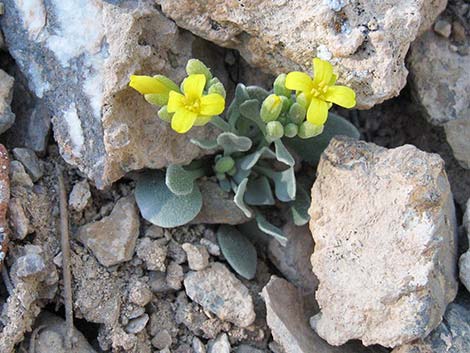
x: 217, y: 290
x: 384, y: 228
x: 112, y: 239
x: 451, y: 336
x: 287, y: 317
x: 101, y: 125
x: 440, y: 84
x: 366, y: 40
x: 7, y: 118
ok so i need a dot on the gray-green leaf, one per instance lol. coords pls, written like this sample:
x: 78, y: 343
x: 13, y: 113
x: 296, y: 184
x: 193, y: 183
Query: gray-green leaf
x: 259, y: 192
x: 233, y: 143
x: 160, y: 206
x: 239, y: 198
x: 270, y: 229
x: 238, y: 251
x: 300, y: 207
x: 282, y: 154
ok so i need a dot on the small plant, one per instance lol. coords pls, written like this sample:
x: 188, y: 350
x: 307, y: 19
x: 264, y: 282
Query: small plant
x: 252, y: 158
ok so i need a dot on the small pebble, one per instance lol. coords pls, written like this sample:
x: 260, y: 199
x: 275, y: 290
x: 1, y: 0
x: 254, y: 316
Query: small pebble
x: 140, y: 294
x: 198, y: 257
x: 174, y: 276
x: 443, y: 28
x: 162, y: 340
x: 213, y: 248
x: 30, y: 162
x: 458, y: 31
x: 219, y: 345
x: 198, y: 346
x: 138, y: 324
x: 79, y: 196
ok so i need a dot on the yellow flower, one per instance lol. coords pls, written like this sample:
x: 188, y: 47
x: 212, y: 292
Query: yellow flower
x: 320, y: 92
x: 155, y: 89
x: 193, y: 108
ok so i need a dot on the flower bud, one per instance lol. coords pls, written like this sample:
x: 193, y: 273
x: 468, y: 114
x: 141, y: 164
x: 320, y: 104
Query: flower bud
x: 224, y: 164
x: 220, y: 176
x: 217, y: 88
x: 297, y: 113
x: 291, y: 130
x: 280, y: 86
x: 271, y: 108
x: 302, y: 100
x: 195, y: 66
x: 286, y: 103
x: 164, y: 114
x: 274, y: 130
x: 308, y: 130
x: 232, y: 171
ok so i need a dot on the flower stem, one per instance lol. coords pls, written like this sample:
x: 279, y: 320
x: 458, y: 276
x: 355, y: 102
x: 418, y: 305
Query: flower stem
x: 220, y: 123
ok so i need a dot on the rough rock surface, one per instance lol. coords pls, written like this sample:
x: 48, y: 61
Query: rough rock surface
x: 451, y: 336
x: 293, y: 259
x: 439, y: 81
x: 383, y: 223
x: 218, y: 290
x: 79, y: 196
x: 4, y: 200
x: 101, y: 125
x: 112, y: 239
x: 464, y: 262
x: 366, y: 41
x: 287, y: 317
x: 7, y: 117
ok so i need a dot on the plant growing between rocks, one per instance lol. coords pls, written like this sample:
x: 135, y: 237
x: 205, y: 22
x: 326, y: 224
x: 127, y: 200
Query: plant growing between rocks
x: 252, y: 159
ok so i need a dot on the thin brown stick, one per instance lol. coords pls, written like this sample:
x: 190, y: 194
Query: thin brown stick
x: 65, y: 244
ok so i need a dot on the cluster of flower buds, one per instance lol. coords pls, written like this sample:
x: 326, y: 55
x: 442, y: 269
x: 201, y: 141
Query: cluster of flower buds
x: 284, y: 113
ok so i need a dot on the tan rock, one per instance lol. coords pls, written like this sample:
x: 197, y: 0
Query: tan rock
x: 112, y: 239
x: 383, y: 223
x: 285, y: 35
x: 103, y: 126
x: 7, y: 117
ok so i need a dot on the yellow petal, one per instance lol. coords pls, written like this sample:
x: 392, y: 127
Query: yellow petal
x: 322, y: 71
x: 341, y: 95
x: 317, y: 112
x: 212, y: 104
x: 194, y: 85
x: 333, y: 79
x: 147, y: 85
x: 202, y: 120
x: 183, y: 120
x: 299, y: 81
x: 175, y: 102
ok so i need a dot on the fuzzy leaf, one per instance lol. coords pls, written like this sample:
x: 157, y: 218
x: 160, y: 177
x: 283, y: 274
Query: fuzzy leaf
x: 259, y: 192
x: 284, y: 182
x: 241, y: 94
x: 311, y: 149
x: 282, y: 154
x: 270, y: 229
x: 179, y: 180
x: 250, y: 109
x: 160, y: 206
x: 241, y: 173
x: 238, y: 251
x: 205, y: 144
x: 250, y: 160
x: 257, y: 93
x: 300, y: 207
x: 239, y: 198
x: 225, y: 185
x: 233, y: 143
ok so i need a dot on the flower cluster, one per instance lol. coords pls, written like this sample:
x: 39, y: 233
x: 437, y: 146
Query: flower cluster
x: 199, y: 98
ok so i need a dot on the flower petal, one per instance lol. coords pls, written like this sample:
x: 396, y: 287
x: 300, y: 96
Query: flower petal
x: 194, y: 85
x: 175, y: 102
x: 333, y: 79
x: 147, y: 85
x: 317, y: 111
x: 299, y: 81
x: 322, y: 71
x: 183, y: 120
x: 212, y: 104
x: 341, y: 95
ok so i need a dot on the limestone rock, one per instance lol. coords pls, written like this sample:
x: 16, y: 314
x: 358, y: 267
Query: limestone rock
x: 217, y: 290
x: 198, y: 257
x: 4, y: 200
x: 452, y: 335
x: 439, y: 82
x: 219, y: 345
x: 366, y: 41
x: 7, y: 117
x: 18, y: 220
x: 153, y: 253
x: 383, y: 223
x: 79, y: 196
x: 30, y: 161
x: 218, y: 206
x: 101, y: 125
x: 287, y: 317
x: 112, y: 239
